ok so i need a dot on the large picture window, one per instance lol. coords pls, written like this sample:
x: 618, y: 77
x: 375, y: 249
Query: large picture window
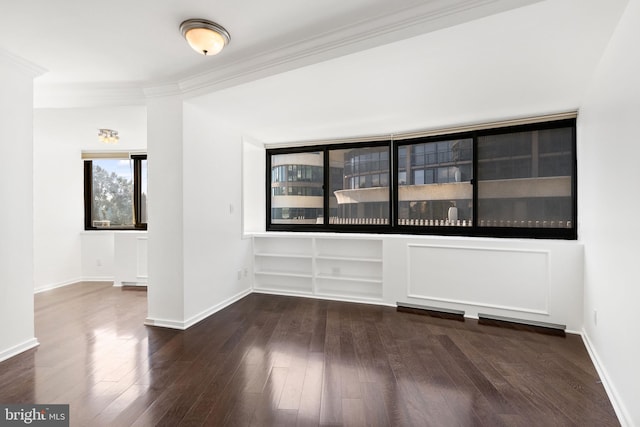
x: 508, y: 181
x: 115, y: 192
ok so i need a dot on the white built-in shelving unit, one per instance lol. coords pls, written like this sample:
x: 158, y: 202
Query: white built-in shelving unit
x: 326, y: 266
x: 283, y: 264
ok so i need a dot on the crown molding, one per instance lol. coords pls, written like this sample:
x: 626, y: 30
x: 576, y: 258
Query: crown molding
x: 87, y: 95
x: 32, y: 69
x: 408, y: 22
x: 166, y: 89
x: 355, y: 37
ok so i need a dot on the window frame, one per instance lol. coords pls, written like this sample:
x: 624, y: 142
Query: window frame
x: 393, y: 227
x: 137, y: 195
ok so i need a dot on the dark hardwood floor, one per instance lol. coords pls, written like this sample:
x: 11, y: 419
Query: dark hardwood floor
x: 277, y: 361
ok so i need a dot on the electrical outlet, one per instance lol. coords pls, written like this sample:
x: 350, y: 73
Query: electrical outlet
x: 595, y: 317
x: 246, y: 272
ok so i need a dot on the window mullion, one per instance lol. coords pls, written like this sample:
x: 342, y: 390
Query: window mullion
x: 326, y: 186
x: 88, y: 194
x: 474, y: 183
x: 393, y: 183
x: 137, y: 189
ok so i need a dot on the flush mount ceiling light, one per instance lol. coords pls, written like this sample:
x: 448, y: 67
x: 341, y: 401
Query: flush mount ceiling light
x: 205, y: 37
x: 108, y: 136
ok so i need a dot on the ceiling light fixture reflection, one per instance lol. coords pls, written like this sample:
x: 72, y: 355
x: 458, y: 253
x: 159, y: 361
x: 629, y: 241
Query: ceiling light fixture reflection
x: 205, y: 37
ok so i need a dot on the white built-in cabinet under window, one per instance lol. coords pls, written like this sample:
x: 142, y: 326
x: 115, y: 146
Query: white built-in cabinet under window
x: 342, y: 268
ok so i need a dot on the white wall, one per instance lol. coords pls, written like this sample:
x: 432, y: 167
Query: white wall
x: 609, y: 200
x: 198, y: 261
x: 16, y: 213
x: 97, y: 255
x: 131, y: 258
x: 214, y: 251
x: 63, y: 252
x: 253, y: 197
x: 165, y: 207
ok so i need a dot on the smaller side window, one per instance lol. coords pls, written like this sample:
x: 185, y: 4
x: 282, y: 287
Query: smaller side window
x: 115, y: 193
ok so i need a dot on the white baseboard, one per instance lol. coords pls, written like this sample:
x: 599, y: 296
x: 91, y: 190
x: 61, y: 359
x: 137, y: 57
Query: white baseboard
x: 165, y: 323
x: 621, y: 411
x: 97, y: 279
x: 208, y: 312
x: 51, y: 286
x: 56, y: 285
x: 125, y: 283
x: 182, y: 325
x: 17, y: 349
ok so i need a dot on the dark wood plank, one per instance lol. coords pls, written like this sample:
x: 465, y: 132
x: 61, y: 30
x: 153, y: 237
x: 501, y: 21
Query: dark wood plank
x: 275, y: 361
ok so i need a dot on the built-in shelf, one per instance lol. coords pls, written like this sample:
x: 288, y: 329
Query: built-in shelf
x: 283, y: 264
x: 283, y: 255
x: 355, y: 259
x: 282, y: 273
x: 335, y: 267
x: 349, y: 278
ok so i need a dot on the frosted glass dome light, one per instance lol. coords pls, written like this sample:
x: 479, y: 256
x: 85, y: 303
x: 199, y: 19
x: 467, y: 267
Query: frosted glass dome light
x: 205, y: 37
